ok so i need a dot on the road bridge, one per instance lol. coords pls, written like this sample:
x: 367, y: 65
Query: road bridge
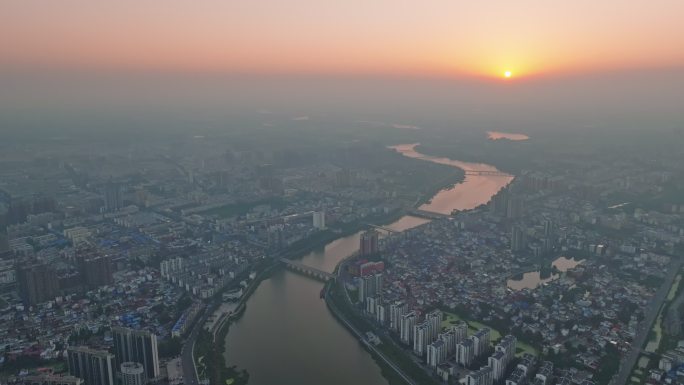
x: 387, y: 229
x: 307, y: 270
x: 428, y: 214
x: 486, y: 173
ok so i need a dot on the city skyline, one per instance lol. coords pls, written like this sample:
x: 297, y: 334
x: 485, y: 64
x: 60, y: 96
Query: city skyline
x: 260, y: 192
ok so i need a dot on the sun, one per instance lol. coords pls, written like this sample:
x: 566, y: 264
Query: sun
x: 508, y: 74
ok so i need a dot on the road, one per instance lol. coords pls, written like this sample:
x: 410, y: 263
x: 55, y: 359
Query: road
x: 359, y: 335
x: 341, y: 272
x: 651, y: 314
x: 187, y: 359
x: 190, y: 375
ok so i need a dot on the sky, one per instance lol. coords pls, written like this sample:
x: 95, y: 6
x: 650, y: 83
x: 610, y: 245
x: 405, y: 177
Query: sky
x: 434, y: 38
x: 575, y: 65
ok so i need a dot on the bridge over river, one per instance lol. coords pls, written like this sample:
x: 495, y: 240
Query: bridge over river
x: 486, y: 173
x: 428, y: 214
x: 307, y: 270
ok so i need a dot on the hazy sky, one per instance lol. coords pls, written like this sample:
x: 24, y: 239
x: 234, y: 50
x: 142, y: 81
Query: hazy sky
x: 426, y: 37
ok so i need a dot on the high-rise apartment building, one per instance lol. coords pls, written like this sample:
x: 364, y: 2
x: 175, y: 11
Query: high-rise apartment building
x: 369, y: 243
x: 4, y: 240
x: 518, y: 238
x: 465, y: 352
x: 132, y: 373
x: 397, y: 310
x: 97, y: 271
x: 319, y: 220
x: 483, y: 376
x: 137, y: 346
x: 481, y: 341
x: 436, y: 353
x: 497, y: 362
x: 95, y: 367
x: 408, y: 322
x: 507, y: 346
x: 421, y: 338
x: 370, y: 286
x: 460, y: 330
x: 37, y: 283
x: 434, y: 320
x: 113, y: 197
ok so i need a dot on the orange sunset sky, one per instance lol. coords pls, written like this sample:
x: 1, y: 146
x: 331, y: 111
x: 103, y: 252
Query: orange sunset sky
x: 430, y: 37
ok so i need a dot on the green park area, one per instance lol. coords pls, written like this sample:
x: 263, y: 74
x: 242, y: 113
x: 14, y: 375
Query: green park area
x: 656, y: 334
x: 658, y: 341
x: 473, y: 326
x: 675, y: 287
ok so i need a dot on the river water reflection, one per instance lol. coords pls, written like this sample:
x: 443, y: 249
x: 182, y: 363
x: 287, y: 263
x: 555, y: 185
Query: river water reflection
x: 287, y: 335
x: 472, y: 192
x: 496, y: 135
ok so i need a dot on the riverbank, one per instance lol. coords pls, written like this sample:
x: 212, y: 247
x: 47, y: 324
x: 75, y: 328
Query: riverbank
x: 222, y: 371
x: 294, y: 301
x: 209, y: 345
x: 397, y: 366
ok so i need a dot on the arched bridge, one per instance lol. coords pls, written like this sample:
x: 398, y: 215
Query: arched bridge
x: 486, y: 173
x: 307, y: 270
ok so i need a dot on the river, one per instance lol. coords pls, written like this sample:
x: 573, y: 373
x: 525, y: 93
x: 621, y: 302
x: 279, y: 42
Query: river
x: 287, y: 335
x: 472, y: 192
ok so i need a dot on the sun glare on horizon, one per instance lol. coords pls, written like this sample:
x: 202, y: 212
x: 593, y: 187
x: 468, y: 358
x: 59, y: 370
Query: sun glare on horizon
x: 508, y: 74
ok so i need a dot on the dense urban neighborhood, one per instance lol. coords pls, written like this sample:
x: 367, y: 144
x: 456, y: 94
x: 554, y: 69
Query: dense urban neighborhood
x: 131, y: 265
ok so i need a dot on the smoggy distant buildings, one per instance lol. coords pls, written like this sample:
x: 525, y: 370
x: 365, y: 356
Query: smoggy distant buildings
x: 4, y: 240
x: 369, y: 243
x: 37, y: 283
x: 97, y: 271
x: 518, y: 238
x: 113, y: 197
x: 318, y: 220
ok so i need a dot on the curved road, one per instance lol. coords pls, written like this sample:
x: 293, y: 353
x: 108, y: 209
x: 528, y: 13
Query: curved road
x: 187, y: 357
x: 651, y: 313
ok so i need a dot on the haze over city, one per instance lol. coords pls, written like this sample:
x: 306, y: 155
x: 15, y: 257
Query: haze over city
x: 309, y: 192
